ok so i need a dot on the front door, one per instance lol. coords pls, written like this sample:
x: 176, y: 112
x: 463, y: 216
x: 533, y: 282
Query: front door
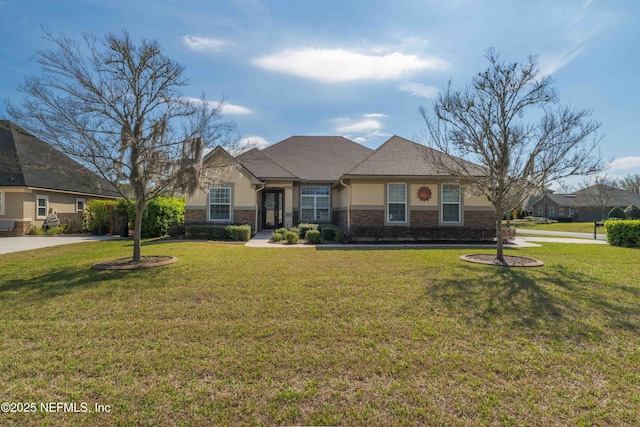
x: 272, y: 207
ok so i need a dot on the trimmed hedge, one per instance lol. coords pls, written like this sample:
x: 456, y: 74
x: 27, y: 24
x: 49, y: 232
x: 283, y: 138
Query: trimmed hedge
x: 625, y: 233
x: 240, y: 233
x: 380, y: 234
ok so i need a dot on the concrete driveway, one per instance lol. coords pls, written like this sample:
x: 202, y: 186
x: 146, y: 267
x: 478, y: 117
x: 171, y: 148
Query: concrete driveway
x: 27, y: 243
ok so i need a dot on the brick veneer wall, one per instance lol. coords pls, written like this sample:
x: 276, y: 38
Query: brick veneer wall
x: 367, y: 218
x: 420, y: 218
x: 195, y: 215
x: 340, y: 219
x: 480, y: 219
x: 245, y: 217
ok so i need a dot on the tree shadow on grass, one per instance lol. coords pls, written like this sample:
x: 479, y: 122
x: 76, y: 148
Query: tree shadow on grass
x: 63, y: 281
x: 553, y: 301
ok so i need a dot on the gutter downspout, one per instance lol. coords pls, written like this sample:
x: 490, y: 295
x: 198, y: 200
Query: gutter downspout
x: 348, y: 204
x: 258, y: 190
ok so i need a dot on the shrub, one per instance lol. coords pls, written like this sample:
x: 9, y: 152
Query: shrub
x: 328, y: 232
x: 625, y: 233
x: 313, y: 236
x: 304, y: 227
x: 281, y: 230
x: 291, y: 237
x: 632, y: 212
x: 339, y: 237
x: 277, y: 236
x: 176, y: 230
x: 617, y: 212
x: 98, y: 214
x: 241, y: 233
x: 161, y: 213
x: 36, y: 231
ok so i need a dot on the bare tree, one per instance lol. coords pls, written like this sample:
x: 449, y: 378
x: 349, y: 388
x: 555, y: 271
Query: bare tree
x: 117, y: 106
x: 631, y: 183
x: 505, y: 121
x: 598, y: 192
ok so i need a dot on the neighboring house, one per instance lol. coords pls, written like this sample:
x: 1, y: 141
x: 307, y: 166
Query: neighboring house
x: 588, y: 204
x: 330, y: 179
x: 36, y: 180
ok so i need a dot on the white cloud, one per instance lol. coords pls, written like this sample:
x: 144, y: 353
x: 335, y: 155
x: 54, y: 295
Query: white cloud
x: 550, y: 63
x: 235, y: 110
x: 339, y: 65
x: 360, y: 127
x: 420, y: 90
x: 230, y: 109
x: 624, y: 163
x: 375, y: 115
x: 360, y: 140
x: 205, y: 44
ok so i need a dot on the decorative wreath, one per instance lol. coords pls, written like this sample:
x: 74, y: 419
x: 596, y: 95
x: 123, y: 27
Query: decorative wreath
x: 424, y: 193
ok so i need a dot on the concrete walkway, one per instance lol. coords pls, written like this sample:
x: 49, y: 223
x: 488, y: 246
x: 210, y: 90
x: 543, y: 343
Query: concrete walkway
x: 27, y: 243
x: 261, y: 240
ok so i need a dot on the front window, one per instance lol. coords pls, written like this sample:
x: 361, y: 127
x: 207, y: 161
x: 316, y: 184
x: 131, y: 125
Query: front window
x: 42, y: 203
x: 450, y: 203
x: 80, y: 205
x: 220, y: 204
x: 397, y: 203
x: 552, y: 211
x: 314, y: 203
x: 540, y: 211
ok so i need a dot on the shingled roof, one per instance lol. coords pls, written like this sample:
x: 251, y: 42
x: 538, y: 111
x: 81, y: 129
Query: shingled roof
x: 402, y: 157
x: 263, y: 166
x: 26, y: 161
x: 317, y: 158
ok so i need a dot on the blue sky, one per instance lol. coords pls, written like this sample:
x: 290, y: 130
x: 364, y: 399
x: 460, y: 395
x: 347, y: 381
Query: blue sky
x: 360, y: 69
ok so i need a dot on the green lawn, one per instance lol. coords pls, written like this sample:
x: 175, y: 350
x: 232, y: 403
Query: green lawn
x: 231, y: 335
x: 574, y: 227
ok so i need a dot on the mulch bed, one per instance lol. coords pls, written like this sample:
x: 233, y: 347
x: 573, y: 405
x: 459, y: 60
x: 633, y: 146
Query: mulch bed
x: 509, y: 260
x: 127, y: 264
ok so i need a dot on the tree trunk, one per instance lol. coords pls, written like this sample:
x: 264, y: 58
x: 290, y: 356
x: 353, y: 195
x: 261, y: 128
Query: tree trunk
x: 137, y: 232
x: 499, y: 244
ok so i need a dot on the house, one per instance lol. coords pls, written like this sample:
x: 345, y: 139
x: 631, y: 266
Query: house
x: 36, y: 180
x: 588, y: 204
x: 330, y: 179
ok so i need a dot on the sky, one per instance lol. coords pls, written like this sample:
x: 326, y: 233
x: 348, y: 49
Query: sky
x: 360, y: 69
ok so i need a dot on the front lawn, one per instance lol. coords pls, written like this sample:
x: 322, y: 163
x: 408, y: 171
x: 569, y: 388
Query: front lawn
x: 231, y: 335
x: 573, y: 227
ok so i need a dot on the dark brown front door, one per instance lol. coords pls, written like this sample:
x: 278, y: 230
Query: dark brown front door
x: 272, y: 207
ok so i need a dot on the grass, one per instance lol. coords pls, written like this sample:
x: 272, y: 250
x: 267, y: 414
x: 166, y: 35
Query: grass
x: 231, y: 335
x: 574, y: 227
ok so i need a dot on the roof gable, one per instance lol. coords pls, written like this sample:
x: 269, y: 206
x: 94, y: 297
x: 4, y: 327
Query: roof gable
x: 263, y: 166
x: 317, y: 158
x: 29, y: 161
x: 401, y: 157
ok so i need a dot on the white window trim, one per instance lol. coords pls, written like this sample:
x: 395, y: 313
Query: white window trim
x: 406, y: 196
x: 84, y: 204
x: 230, y: 219
x: 315, y: 203
x: 442, y: 203
x: 46, y: 207
x: 1, y: 202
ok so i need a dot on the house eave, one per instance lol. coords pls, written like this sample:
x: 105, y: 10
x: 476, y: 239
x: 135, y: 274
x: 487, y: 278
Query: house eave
x: 77, y: 193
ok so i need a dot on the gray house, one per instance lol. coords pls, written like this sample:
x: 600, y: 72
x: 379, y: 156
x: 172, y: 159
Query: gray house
x: 588, y: 204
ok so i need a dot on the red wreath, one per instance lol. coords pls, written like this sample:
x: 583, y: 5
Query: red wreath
x: 424, y: 193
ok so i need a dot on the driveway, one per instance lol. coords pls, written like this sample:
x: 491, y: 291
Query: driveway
x: 27, y: 243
